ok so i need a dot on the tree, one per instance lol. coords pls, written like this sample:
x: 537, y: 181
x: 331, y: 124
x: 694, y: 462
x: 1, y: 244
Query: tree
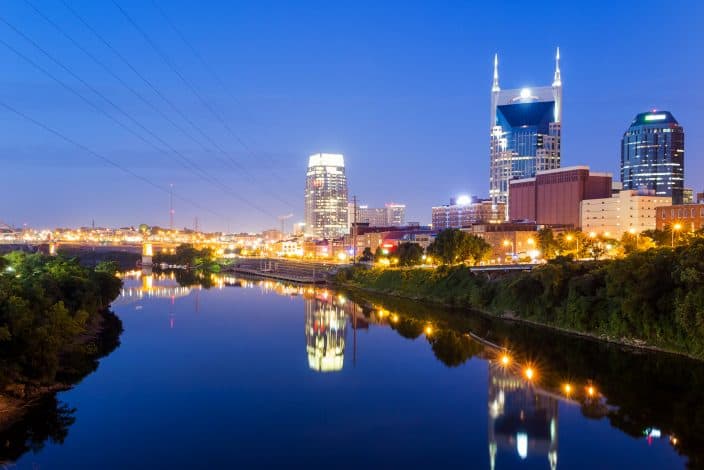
x: 549, y: 246
x: 452, y: 246
x: 367, y: 255
x: 409, y: 254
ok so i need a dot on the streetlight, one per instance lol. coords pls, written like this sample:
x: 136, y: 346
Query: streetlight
x: 633, y: 231
x: 569, y: 238
x: 675, y: 228
x: 508, y: 243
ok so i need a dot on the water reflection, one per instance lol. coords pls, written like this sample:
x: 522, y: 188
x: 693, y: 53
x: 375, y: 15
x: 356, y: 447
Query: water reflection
x: 326, y: 327
x: 531, y: 372
x: 522, y: 417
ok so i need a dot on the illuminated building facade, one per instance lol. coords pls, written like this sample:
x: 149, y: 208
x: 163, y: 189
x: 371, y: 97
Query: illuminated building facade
x: 395, y: 214
x: 690, y: 217
x: 326, y: 325
x: 326, y: 196
x: 652, y: 155
x: 522, y: 419
x: 391, y: 215
x: 553, y: 197
x: 625, y: 211
x: 525, y: 132
x: 464, y: 212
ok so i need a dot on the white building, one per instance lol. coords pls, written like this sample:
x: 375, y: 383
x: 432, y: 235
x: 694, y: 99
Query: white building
x: 391, y: 215
x: 326, y: 196
x: 626, y: 210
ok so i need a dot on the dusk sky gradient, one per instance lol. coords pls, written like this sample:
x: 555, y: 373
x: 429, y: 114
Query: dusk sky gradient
x: 402, y: 89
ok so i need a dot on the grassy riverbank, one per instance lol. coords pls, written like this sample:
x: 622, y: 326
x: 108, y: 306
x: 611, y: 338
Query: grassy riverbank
x: 54, y: 325
x: 650, y: 298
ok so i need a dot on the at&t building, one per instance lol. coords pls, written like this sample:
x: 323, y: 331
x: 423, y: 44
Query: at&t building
x: 525, y: 132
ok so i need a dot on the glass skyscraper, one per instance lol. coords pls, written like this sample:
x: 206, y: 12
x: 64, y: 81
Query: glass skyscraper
x: 525, y: 132
x: 326, y: 196
x: 652, y: 155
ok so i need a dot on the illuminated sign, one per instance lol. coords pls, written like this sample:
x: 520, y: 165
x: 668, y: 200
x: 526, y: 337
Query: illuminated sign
x: 655, y: 117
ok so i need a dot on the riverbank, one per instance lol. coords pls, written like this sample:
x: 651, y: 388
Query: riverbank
x: 54, y: 327
x: 649, y: 300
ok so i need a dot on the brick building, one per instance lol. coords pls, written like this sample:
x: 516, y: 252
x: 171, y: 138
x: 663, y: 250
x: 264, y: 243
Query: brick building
x: 553, y: 197
x: 689, y: 216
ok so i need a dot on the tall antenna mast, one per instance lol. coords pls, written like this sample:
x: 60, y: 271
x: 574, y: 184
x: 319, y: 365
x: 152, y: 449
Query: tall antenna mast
x: 171, y: 206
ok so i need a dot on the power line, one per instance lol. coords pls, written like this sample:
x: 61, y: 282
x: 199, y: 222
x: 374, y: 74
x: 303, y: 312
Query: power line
x: 105, y: 159
x: 116, y: 77
x: 156, y: 90
x: 206, y: 66
x: 200, y: 172
x: 164, y: 57
x: 147, y: 82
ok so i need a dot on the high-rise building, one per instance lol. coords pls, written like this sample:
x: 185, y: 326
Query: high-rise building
x: 326, y: 196
x: 525, y: 132
x: 652, y: 155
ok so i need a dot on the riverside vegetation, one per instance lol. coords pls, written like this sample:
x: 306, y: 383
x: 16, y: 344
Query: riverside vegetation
x: 54, y: 326
x: 653, y: 297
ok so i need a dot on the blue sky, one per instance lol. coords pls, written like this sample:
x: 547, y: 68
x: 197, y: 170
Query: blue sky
x: 401, y: 88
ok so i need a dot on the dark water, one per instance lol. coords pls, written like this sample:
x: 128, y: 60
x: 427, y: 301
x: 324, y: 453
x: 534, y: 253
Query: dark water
x: 258, y: 374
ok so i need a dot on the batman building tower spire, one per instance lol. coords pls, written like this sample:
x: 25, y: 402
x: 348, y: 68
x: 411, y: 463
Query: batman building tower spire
x: 525, y: 132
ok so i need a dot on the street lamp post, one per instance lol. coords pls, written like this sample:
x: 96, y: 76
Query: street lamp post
x: 675, y: 228
x: 508, y: 243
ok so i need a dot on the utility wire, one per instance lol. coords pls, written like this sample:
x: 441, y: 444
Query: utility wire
x: 201, y: 173
x: 108, y: 70
x: 164, y: 57
x: 122, y: 58
x: 107, y: 160
x: 209, y: 69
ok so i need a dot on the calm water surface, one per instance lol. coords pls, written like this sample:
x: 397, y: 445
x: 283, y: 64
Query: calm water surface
x: 257, y: 374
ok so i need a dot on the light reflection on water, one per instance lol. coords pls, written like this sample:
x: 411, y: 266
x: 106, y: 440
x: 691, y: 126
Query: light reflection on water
x: 530, y: 383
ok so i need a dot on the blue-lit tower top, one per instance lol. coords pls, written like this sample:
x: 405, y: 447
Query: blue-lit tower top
x: 525, y: 132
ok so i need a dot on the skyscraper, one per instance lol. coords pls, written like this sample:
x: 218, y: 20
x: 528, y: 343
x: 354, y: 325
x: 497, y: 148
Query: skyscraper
x: 652, y: 155
x: 525, y: 132
x: 326, y: 196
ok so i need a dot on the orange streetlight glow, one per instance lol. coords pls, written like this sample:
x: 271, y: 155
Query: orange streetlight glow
x: 529, y: 373
x: 505, y: 360
x: 567, y: 388
x: 591, y: 391
x: 428, y: 330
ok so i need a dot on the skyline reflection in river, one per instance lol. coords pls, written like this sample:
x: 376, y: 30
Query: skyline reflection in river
x: 235, y: 383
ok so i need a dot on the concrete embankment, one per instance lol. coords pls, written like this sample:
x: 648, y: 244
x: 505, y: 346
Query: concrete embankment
x: 285, y: 270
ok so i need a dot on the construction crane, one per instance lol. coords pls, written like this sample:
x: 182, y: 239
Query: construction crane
x: 282, y: 219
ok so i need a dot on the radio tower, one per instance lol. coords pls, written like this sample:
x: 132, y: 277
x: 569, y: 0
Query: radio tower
x: 171, y: 207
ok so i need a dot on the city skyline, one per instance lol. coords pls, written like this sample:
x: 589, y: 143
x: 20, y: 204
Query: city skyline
x: 409, y: 107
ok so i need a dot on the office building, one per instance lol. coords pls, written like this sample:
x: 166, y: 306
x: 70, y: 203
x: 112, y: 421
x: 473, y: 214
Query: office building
x: 464, y: 212
x: 326, y: 196
x: 626, y: 211
x: 652, y: 155
x: 688, y: 196
x: 525, y: 132
x: 553, y: 197
x: 391, y: 215
x: 395, y: 214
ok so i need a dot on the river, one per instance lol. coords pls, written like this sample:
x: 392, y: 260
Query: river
x: 250, y: 373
